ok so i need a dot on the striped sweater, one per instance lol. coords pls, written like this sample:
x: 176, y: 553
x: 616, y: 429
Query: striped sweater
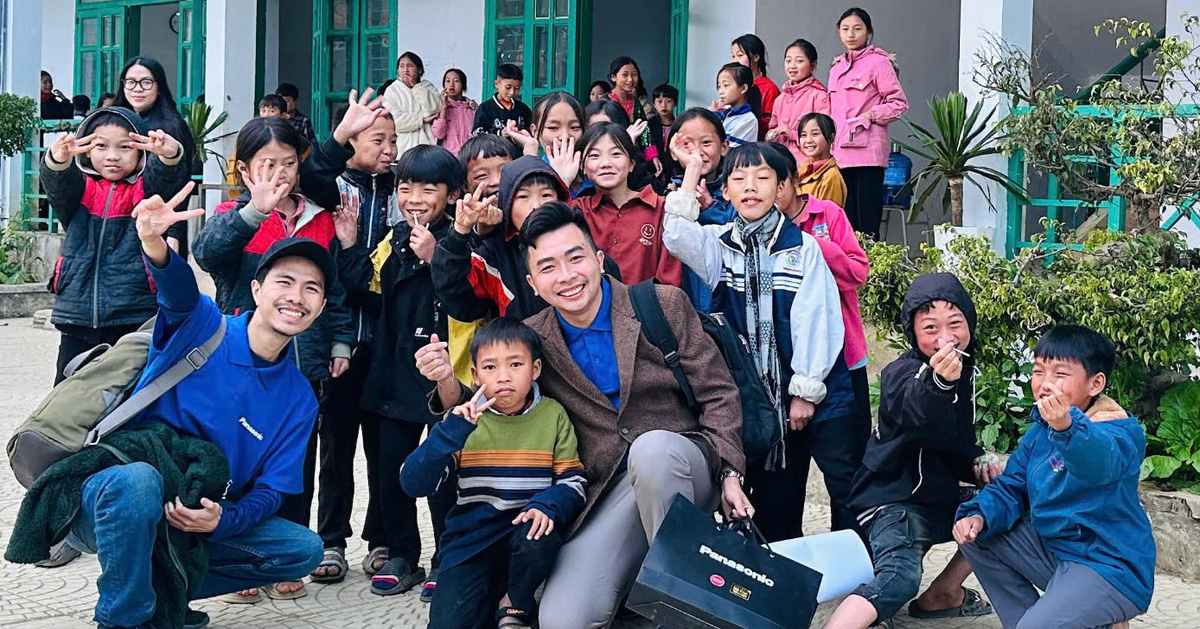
x: 506, y: 464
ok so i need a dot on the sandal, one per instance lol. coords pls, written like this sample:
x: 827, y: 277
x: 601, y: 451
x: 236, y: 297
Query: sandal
x: 396, y: 577
x: 518, y: 618
x: 272, y: 591
x: 237, y: 598
x: 376, y: 560
x: 333, y: 567
x: 972, y: 606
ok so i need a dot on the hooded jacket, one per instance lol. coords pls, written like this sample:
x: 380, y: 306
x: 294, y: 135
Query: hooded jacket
x: 1079, y: 488
x: 863, y: 81
x: 100, y: 278
x: 797, y: 100
x: 376, y: 207
x: 494, y: 267
x: 822, y: 180
x: 925, y: 441
x: 410, y: 106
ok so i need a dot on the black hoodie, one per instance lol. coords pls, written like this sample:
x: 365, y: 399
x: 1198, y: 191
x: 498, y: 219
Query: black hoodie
x: 925, y: 441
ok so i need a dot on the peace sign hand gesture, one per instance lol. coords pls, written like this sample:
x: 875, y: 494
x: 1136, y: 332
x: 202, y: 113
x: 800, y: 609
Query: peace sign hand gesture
x: 158, y: 142
x: 68, y: 146
x: 154, y: 216
x: 361, y: 113
x: 474, y: 408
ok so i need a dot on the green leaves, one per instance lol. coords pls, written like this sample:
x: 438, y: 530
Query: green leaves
x: 18, y: 115
x: 1179, y: 432
x: 197, y: 116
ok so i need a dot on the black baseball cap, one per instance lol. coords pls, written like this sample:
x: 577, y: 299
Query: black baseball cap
x: 298, y: 247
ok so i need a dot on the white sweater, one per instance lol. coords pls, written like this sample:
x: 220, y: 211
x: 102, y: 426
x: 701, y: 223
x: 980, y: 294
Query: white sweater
x: 410, y: 106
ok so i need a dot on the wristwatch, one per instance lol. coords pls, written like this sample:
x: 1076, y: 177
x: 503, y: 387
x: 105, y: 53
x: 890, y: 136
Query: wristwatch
x: 733, y: 474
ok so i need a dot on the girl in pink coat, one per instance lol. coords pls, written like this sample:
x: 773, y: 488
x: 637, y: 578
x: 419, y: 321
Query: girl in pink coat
x: 865, y: 97
x: 455, y: 119
x: 802, y: 94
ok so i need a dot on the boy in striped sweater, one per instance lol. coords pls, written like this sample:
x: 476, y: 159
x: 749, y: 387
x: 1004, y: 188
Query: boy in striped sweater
x: 520, y: 483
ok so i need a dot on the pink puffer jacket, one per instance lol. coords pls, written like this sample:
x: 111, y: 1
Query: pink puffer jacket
x: 864, y: 81
x: 796, y: 101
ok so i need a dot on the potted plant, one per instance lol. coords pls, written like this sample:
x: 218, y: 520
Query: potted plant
x: 18, y: 115
x: 202, y: 124
x: 959, y: 139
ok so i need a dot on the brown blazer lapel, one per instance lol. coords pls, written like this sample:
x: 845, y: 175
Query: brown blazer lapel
x: 559, y: 356
x: 626, y: 330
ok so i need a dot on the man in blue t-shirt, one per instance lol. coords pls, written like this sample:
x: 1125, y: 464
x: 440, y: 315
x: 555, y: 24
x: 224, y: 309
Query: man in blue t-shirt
x: 248, y: 399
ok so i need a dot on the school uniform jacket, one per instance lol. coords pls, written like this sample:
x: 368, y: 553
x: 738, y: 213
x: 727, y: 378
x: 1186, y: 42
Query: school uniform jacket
x: 376, y: 204
x: 492, y: 116
x: 809, y: 331
x: 632, y: 235
x: 100, y: 279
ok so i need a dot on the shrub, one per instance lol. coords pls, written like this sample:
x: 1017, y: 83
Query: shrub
x: 1136, y: 289
x: 17, y: 115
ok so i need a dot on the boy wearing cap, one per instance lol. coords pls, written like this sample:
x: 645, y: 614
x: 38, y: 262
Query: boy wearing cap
x: 248, y: 398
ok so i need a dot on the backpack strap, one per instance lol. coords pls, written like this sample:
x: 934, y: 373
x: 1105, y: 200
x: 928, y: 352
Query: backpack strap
x: 648, y: 310
x: 155, y: 389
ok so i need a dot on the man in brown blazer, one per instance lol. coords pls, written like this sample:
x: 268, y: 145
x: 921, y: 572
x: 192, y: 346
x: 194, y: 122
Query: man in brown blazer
x: 637, y: 438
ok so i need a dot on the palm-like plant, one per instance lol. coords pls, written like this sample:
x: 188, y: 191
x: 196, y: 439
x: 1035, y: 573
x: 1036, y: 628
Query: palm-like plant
x: 961, y: 138
x: 198, y: 115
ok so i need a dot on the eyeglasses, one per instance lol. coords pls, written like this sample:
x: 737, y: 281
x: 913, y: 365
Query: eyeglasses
x: 143, y: 84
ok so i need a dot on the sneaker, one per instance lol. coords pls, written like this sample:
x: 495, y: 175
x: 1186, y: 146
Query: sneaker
x: 430, y: 586
x: 397, y: 577
x: 195, y: 619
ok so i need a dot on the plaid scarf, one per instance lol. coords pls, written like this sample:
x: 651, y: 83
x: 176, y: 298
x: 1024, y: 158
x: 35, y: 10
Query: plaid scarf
x: 760, y: 313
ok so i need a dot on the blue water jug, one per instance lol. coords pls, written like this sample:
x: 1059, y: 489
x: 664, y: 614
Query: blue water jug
x: 899, y: 169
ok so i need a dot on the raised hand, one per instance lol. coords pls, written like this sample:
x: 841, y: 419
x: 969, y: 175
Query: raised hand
x: 474, y: 208
x: 1055, y: 408
x: 564, y: 159
x: 267, y: 188
x: 528, y: 144
x: 422, y: 242
x: 946, y: 363
x: 158, y: 142
x: 68, y: 146
x: 688, y: 155
x: 636, y: 129
x: 345, y: 220
x: 474, y: 408
x: 153, y: 217
x: 703, y: 195
x: 433, y: 363
x: 361, y: 113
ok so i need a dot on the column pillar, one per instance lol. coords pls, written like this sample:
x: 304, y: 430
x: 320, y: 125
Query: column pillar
x: 21, y: 56
x: 1012, y: 22
x: 229, y: 78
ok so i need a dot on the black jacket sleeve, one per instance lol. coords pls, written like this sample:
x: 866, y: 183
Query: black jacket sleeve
x: 339, y: 320
x: 64, y: 188
x: 356, y: 271
x: 320, y: 170
x: 451, y: 273
x: 218, y: 247
x: 912, y: 404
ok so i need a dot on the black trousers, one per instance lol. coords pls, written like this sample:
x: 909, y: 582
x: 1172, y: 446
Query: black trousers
x: 864, y: 198
x: 469, y: 593
x: 342, y: 422
x: 398, y: 511
x: 837, y: 445
x: 76, y: 339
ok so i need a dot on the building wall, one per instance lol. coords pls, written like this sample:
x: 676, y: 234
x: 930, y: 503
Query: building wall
x: 646, y: 39
x: 446, y: 34
x: 157, y: 40
x: 712, y: 25
x: 58, y: 42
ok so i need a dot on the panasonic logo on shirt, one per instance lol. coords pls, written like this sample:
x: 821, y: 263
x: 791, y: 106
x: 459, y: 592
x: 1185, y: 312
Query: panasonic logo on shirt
x: 245, y: 424
x: 750, y: 572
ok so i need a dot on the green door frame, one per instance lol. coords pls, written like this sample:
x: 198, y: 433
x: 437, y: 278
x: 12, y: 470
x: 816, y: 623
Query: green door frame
x: 111, y: 41
x: 358, y: 40
x: 679, y: 46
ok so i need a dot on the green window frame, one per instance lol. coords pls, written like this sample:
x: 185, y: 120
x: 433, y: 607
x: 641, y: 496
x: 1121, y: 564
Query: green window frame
x: 679, y: 36
x: 354, y: 46
x: 545, y: 38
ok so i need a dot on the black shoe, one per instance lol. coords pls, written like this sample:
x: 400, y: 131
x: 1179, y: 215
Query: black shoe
x: 397, y: 577
x: 195, y: 619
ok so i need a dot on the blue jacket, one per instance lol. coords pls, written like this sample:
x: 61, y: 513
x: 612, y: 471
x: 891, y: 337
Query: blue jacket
x: 1080, y: 489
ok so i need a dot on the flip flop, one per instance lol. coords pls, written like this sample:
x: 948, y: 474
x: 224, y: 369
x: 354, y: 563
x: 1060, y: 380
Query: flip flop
x: 233, y: 598
x: 273, y: 593
x: 334, y: 558
x: 972, y: 606
x: 380, y: 554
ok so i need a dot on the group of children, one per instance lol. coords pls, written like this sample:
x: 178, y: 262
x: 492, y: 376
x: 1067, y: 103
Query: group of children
x: 426, y: 243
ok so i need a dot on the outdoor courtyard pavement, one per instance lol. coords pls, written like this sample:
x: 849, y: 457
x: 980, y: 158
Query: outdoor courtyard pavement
x: 63, y: 598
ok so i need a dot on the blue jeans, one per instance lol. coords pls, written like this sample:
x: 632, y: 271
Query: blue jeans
x: 900, y: 535
x: 118, y: 521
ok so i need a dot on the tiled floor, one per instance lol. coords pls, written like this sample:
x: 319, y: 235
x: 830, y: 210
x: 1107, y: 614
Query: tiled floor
x: 63, y: 598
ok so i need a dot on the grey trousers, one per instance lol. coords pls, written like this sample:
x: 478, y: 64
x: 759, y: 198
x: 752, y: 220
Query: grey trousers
x: 597, y: 565
x: 1012, y: 564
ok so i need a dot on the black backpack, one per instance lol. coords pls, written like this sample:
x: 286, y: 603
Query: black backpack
x: 761, y: 429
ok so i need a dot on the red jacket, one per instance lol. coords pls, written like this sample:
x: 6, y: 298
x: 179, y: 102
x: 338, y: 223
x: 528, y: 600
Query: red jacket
x: 632, y: 236
x: 769, y: 92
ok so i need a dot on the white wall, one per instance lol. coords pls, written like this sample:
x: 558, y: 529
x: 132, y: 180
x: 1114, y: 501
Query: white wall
x: 157, y: 40
x: 57, y: 41
x: 712, y: 25
x: 446, y: 34
x: 646, y: 39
